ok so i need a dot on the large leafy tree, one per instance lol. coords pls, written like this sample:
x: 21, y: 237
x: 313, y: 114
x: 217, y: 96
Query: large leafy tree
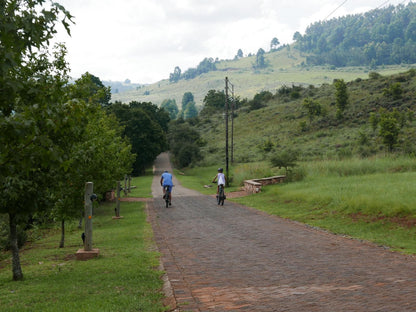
x: 98, y: 154
x: 90, y: 89
x: 176, y: 75
x: 185, y: 143
x: 260, y: 60
x: 170, y: 106
x: 33, y: 115
x: 341, y: 96
x: 144, y: 125
x: 213, y: 102
x: 191, y: 111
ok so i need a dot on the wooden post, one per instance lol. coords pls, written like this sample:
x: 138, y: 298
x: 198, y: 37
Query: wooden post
x: 129, y: 188
x: 88, y: 216
x: 88, y: 252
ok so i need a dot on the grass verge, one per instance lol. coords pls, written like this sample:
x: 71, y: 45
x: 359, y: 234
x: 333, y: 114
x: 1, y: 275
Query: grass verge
x: 123, y: 278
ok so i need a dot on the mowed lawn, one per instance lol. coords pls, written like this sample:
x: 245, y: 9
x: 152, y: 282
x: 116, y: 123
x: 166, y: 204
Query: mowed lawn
x: 124, y: 277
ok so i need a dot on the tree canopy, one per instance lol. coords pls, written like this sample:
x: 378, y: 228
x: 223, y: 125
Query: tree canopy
x: 380, y: 36
x: 33, y: 115
x: 54, y: 134
x: 145, y: 125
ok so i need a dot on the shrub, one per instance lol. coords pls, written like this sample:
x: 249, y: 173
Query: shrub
x: 284, y: 159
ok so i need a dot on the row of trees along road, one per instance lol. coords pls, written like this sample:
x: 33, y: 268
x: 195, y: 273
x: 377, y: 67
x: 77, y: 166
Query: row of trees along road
x: 55, y: 136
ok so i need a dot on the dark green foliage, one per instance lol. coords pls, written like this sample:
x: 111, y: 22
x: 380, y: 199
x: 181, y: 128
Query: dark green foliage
x: 389, y: 130
x: 312, y: 107
x: 34, y: 120
x: 90, y: 89
x: 188, y: 106
x: 378, y: 37
x: 266, y: 146
x: 214, y: 102
x: 170, y: 106
x: 185, y: 143
x: 341, y: 94
x: 191, y: 111
x: 284, y: 159
x: 260, y: 60
x: 206, y: 65
x: 176, y: 75
x: 260, y: 100
x: 274, y: 44
x: 144, y: 125
x: 187, y: 98
x: 395, y: 91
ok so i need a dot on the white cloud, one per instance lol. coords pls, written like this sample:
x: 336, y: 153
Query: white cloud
x: 144, y: 40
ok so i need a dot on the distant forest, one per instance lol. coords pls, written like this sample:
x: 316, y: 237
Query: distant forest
x: 379, y: 37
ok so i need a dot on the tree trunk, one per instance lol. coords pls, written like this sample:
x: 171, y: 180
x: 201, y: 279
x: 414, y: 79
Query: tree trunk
x: 16, y: 268
x: 62, y: 243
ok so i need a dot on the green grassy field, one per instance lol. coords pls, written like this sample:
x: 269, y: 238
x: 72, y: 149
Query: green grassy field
x: 125, y: 276
x: 369, y: 199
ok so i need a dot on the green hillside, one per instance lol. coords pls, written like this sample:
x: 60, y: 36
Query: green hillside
x: 285, y: 67
x: 285, y: 124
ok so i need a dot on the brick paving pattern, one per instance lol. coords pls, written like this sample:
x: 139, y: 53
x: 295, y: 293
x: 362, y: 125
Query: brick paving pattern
x: 234, y: 258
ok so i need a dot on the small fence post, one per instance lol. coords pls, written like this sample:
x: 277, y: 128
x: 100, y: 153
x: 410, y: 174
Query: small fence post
x: 88, y: 216
x: 88, y: 252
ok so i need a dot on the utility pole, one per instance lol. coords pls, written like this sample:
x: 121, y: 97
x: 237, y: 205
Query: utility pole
x: 232, y: 123
x: 226, y: 131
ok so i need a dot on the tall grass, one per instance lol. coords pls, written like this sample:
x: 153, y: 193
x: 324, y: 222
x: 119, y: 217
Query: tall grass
x: 253, y: 171
x: 360, y: 166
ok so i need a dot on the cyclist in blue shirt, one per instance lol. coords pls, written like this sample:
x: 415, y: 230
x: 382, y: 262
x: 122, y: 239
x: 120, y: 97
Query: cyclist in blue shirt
x: 166, y: 180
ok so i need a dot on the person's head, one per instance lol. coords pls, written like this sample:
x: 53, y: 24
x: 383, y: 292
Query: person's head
x: 166, y: 171
x: 220, y: 170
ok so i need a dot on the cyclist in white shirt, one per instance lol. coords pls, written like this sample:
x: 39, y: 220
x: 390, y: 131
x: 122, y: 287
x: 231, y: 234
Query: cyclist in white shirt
x: 220, y: 177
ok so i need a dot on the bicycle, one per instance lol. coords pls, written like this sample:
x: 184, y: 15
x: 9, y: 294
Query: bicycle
x: 221, y: 195
x: 166, y: 196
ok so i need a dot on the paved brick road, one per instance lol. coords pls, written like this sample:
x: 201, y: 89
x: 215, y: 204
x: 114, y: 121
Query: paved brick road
x: 234, y: 258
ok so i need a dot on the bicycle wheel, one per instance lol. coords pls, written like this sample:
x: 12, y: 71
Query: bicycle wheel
x: 167, y: 199
x: 220, y: 200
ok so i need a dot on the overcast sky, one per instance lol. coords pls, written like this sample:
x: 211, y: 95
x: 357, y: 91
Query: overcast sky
x: 144, y: 40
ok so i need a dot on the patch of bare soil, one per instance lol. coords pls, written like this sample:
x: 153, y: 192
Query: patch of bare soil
x: 406, y: 222
x: 237, y: 194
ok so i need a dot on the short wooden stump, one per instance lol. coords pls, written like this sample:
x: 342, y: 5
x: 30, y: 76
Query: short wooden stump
x: 87, y: 254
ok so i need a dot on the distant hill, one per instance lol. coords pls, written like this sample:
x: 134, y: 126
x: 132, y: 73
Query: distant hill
x: 285, y: 67
x: 119, y: 87
x: 382, y: 40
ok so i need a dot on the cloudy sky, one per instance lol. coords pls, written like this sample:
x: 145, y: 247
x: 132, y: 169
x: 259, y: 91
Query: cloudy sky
x: 144, y: 40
